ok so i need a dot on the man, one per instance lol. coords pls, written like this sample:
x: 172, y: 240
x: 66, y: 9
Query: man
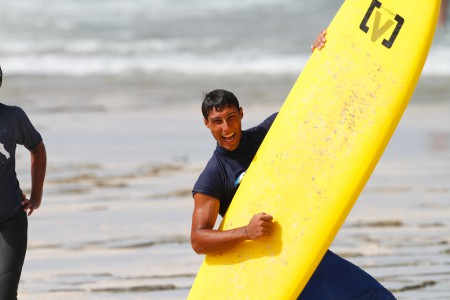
x: 334, y: 278
x: 16, y: 128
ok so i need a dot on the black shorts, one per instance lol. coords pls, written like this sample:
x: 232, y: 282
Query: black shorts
x: 338, y: 279
x: 13, y: 246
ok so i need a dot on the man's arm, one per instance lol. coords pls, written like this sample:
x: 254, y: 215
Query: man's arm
x: 205, y: 239
x: 38, y: 169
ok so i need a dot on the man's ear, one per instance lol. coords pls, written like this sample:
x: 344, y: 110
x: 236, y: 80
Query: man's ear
x: 241, y: 112
x: 206, y: 122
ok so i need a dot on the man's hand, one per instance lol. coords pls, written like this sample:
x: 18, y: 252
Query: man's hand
x: 29, y: 205
x: 260, y: 226
x: 320, y: 41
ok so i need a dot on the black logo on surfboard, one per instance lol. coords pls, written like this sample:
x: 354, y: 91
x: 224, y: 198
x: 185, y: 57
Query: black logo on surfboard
x: 379, y: 13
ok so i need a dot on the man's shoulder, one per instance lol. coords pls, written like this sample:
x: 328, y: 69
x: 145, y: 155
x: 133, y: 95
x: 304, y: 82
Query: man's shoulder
x: 215, y: 168
x: 210, y: 179
x: 213, y: 164
x: 264, y: 125
x: 11, y: 111
x: 10, y: 108
x: 10, y: 114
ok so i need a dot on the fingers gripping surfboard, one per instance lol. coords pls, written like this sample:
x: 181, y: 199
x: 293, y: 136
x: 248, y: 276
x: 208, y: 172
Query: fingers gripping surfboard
x: 324, y: 144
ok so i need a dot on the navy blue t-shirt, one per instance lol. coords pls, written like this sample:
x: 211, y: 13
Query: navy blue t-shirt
x: 15, y: 128
x: 220, y: 178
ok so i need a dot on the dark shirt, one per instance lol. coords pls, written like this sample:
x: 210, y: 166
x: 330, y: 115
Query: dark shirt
x: 220, y: 178
x: 15, y: 128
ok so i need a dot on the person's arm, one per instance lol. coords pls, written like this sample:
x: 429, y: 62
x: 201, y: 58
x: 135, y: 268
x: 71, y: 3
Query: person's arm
x: 205, y: 239
x: 443, y: 13
x: 38, y: 169
x: 320, y: 41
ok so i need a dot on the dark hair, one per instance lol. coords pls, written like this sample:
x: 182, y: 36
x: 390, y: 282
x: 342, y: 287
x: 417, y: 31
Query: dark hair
x: 1, y: 76
x: 218, y: 99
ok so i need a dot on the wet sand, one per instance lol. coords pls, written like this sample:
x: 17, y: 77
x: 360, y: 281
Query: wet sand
x: 116, y: 215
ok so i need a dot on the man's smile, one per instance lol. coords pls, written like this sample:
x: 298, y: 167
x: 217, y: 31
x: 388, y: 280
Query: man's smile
x: 228, y: 137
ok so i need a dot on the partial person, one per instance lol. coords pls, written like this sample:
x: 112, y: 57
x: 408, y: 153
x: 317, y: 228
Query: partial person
x: 443, y: 13
x: 15, y: 206
x: 335, y: 278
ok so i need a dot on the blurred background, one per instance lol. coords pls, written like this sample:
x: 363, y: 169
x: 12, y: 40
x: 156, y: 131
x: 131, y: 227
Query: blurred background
x: 115, y: 89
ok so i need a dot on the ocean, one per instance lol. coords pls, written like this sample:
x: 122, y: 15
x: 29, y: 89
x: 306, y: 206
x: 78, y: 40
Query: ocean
x: 115, y: 89
x: 146, y: 37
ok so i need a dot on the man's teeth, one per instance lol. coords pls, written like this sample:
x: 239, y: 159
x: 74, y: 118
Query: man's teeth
x: 228, y: 136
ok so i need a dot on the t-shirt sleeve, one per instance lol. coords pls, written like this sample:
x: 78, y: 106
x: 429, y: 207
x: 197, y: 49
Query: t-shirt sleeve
x: 267, y: 123
x: 210, y: 182
x: 259, y: 132
x: 24, y: 132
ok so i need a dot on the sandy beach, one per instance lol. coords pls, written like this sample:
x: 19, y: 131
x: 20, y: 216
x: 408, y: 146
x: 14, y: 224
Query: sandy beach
x: 115, y: 220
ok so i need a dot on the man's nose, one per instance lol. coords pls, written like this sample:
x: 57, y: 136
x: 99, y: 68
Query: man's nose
x: 225, y: 125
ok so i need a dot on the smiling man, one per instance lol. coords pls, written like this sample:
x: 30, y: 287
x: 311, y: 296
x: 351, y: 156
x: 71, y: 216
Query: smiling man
x: 335, y: 278
x: 221, y: 177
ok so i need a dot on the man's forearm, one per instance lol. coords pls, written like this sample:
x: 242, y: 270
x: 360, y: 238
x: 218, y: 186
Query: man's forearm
x: 38, y: 170
x: 208, y: 241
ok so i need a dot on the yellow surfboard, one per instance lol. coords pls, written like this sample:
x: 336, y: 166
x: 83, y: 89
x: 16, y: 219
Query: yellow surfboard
x: 322, y: 148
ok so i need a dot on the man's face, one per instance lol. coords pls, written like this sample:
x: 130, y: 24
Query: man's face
x: 225, y: 126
